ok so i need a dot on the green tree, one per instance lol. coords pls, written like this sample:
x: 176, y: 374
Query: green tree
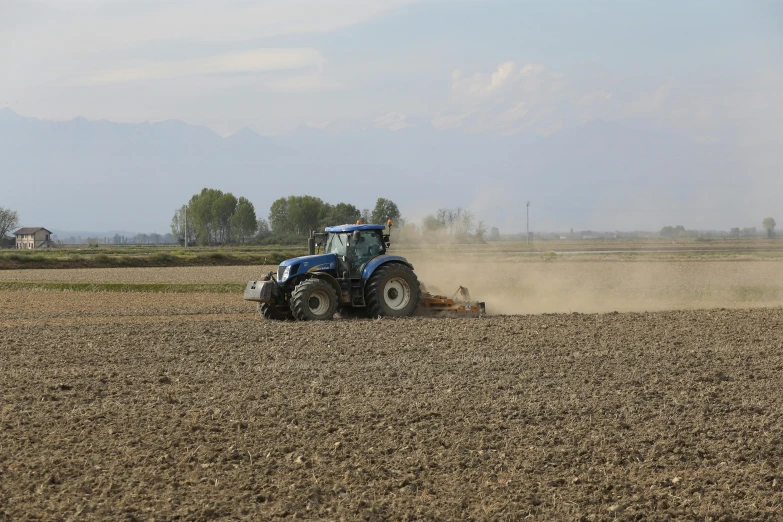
x: 202, y: 213
x: 243, y: 222
x: 9, y: 220
x: 384, y: 210
x: 341, y: 214
x: 224, y: 208
x: 179, y: 226
x: 670, y: 232
x: 278, y: 217
x: 262, y: 228
x: 305, y: 213
x: 214, y: 217
x: 769, y: 226
x: 298, y: 214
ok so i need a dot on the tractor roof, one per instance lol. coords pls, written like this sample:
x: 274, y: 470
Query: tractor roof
x: 351, y: 228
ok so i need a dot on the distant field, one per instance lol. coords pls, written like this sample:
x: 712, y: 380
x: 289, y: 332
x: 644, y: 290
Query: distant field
x: 114, y: 256
x: 587, y: 276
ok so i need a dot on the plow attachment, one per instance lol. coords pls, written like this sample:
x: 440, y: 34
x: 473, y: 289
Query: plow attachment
x: 459, y: 305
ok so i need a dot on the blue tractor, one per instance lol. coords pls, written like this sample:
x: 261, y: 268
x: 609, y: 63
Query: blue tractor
x: 352, y: 273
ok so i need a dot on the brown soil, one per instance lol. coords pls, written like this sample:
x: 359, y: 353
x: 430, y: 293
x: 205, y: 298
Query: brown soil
x: 156, y: 407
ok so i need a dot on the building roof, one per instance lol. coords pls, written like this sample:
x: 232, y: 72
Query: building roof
x: 351, y: 228
x: 29, y: 230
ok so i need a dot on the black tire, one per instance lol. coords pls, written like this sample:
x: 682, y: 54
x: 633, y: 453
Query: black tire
x: 392, y: 291
x: 271, y: 312
x: 313, y: 300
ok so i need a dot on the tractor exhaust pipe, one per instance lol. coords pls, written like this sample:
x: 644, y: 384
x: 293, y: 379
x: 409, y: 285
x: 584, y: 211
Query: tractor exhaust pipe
x: 311, y: 244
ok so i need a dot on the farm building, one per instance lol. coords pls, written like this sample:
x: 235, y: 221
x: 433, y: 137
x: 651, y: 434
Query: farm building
x: 33, y: 237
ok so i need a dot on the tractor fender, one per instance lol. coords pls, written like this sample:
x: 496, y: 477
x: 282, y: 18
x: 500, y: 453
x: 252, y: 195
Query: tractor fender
x: 373, y: 264
x: 330, y: 279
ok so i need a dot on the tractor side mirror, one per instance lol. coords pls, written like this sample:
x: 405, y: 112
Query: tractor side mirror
x: 356, y: 236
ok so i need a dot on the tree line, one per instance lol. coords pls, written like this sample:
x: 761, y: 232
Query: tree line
x: 679, y: 231
x: 298, y: 215
x: 212, y: 217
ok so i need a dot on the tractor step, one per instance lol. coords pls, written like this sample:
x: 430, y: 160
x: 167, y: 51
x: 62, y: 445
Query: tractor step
x: 357, y: 293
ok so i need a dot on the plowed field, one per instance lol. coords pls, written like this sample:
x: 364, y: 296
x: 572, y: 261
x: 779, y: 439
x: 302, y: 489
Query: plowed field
x: 163, y: 406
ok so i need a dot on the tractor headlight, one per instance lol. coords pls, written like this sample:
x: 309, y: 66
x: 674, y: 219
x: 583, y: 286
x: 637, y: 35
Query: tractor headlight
x: 284, y: 275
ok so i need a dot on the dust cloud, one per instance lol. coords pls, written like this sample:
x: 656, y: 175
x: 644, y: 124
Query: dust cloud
x: 563, y: 286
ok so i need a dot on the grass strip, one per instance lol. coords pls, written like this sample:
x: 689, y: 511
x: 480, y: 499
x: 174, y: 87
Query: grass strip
x: 191, y: 288
x: 9, y: 261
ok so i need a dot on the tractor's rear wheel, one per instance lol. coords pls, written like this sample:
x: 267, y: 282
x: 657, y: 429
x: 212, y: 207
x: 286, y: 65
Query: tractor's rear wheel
x: 271, y: 312
x: 313, y: 300
x: 393, y: 291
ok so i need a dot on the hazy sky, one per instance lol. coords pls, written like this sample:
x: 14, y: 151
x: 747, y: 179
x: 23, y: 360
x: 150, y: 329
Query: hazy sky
x: 706, y: 69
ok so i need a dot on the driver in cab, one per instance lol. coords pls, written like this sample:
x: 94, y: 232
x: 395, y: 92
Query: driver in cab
x: 367, y: 247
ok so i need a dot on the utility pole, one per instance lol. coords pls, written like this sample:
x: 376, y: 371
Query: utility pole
x: 186, y: 227
x: 527, y: 226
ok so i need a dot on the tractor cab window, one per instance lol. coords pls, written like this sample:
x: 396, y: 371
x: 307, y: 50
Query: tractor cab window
x: 370, y: 244
x: 336, y: 244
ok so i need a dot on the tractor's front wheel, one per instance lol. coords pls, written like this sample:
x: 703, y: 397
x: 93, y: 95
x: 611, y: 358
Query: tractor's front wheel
x: 313, y: 300
x: 393, y: 291
x: 271, y: 312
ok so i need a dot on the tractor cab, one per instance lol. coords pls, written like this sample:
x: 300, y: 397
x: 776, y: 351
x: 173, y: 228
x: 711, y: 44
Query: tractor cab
x: 354, y: 246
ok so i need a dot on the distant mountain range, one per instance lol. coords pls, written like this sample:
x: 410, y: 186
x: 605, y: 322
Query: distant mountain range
x: 100, y: 175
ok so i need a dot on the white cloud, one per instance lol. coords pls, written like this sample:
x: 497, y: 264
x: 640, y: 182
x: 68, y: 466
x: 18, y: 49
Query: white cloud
x: 255, y: 60
x: 118, y: 23
x: 515, y: 98
x: 56, y: 42
x: 392, y: 121
x: 510, y: 99
x: 507, y: 76
x: 523, y: 98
